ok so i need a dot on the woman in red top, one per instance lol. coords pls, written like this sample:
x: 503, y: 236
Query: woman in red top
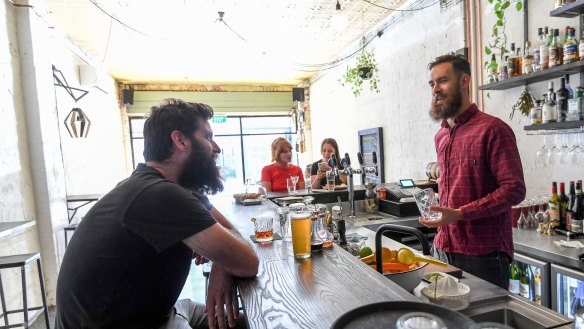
x: 274, y: 175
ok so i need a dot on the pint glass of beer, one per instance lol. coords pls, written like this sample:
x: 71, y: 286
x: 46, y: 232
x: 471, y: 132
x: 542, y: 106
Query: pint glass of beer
x: 300, y: 223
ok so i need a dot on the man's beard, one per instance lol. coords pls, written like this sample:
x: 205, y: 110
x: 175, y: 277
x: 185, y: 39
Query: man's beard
x: 200, y: 173
x: 449, y: 108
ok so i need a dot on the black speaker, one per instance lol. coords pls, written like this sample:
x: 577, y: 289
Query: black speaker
x: 298, y: 94
x: 128, y: 96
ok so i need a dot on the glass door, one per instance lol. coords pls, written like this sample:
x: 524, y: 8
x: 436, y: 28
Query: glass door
x: 534, y: 279
x: 565, y: 282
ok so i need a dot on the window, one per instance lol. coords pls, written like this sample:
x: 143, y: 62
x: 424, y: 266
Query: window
x: 244, y: 141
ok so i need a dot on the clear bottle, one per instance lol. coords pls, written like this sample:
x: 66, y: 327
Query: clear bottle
x: 535, y: 113
x: 511, y: 63
x: 581, y: 47
x: 492, y: 70
x: 570, y: 48
x: 537, y: 285
x: 543, y: 50
x: 527, y: 59
x: 537, y: 50
x: 503, y: 72
x: 549, y: 107
x: 562, y: 101
x: 514, y: 276
x: 554, y: 50
x: 568, y: 87
x: 525, y: 282
x: 554, y: 206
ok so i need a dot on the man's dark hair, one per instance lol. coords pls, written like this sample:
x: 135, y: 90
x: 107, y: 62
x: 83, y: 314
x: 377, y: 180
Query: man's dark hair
x: 459, y: 63
x: 172, y: 114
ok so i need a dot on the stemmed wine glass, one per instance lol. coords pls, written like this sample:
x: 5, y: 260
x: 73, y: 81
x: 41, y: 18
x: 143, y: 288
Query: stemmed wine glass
x: 564, y: 152
x: 307, y: 181
x: 541, y: 154
x: 552, y: 154
x: 294, y: 179
x: 577, y: 152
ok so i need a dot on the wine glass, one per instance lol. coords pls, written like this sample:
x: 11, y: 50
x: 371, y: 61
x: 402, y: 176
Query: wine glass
x: 577, y: 152
x: 564, y: 152
x: 308, y: 181
x: 541, y: 154
x: 294, y: 180
x: 552, y: 154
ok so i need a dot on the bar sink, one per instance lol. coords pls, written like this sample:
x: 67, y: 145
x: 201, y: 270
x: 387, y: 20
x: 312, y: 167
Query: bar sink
x: 515, y: 312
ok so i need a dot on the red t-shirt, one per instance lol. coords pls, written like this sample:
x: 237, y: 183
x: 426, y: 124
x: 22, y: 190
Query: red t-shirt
x: 278, y: 175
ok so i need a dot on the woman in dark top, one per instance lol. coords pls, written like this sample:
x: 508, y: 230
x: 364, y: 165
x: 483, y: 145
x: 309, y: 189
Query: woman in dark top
x: 318, y: 176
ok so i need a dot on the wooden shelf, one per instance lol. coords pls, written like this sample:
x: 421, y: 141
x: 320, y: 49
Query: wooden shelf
x: 569, y: 10
x: 556, y: 125
x: 544, y: 75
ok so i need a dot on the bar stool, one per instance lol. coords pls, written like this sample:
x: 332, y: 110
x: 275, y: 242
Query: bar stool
x: 21, y: 261
x: 69, y: 228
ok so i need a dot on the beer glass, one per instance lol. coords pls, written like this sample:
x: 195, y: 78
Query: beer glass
x: 300, y: 223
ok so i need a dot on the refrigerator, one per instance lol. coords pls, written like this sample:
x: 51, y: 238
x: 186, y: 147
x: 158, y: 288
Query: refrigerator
x: 564, y: 283
x: 539, y: 279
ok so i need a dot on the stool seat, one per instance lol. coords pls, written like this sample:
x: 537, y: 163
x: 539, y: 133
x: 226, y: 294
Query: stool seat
x: 20, y: 261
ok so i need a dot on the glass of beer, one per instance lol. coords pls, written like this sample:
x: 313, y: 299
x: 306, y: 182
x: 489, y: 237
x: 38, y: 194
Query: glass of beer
x: 264, y: 230
x: 300, y: 222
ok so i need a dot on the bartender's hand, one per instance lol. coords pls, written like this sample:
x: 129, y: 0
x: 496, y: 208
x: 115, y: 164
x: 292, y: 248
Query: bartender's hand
x: 221, y: 296
x: 449, y: 215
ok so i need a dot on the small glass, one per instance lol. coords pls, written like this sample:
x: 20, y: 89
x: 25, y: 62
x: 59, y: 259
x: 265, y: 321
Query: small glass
x: 330, y: 180
x: 424, y: 200
x: 264, y: 229
x: 291, y: 185
x: 308, y: 181
x: 419, y: 320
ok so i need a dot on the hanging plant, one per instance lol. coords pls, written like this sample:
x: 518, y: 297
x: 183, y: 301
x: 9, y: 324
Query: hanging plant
x: 498, y: 41
x: 365, y: 69
x: 524, y: 104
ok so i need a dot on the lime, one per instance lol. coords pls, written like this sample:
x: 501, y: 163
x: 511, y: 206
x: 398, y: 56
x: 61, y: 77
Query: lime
x: 365, y: 251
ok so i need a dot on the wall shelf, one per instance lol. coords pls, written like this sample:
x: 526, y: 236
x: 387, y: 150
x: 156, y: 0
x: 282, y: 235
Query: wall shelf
x: 544, y: 75
x: 569, y: 10
x: 556, y: 126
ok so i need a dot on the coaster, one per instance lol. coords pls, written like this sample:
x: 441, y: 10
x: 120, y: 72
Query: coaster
x: 275, y: 235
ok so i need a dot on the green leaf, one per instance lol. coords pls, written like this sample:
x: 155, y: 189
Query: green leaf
x: 491, y: 1
x: 500, y: 14
x: 500, y: 22
x: 519, y: 5
x: 487, y: 50
x: 506, y: 5
x: 497, y: 7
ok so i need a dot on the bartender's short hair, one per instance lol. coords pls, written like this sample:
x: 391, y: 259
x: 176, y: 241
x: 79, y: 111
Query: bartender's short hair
x: 170, y: 115
x: 459, y: 63
x: 280, y: 145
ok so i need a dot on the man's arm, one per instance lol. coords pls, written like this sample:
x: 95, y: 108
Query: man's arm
x: 221, y: 219
x: 226, y: 248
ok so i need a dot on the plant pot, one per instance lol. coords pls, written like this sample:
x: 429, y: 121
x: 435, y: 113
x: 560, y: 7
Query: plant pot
x: 365, y: 72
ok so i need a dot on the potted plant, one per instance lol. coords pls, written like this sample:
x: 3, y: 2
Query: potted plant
x: 365, y: 69
x: 498, y: 41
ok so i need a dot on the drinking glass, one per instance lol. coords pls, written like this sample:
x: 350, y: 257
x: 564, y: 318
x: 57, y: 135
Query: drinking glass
x: 295, y: 180
x: 264, y: 229
x: 577, y: 152
x: 291, y: 185
x: 564, y: 152
x: 553, y: 153
x: 541, y: 154
x: 300, y: 223
x: 424, y: 200
x: 308, y: 181
x: 330, y: 180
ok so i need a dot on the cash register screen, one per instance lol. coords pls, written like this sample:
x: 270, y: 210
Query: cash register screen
x: 406, y: 183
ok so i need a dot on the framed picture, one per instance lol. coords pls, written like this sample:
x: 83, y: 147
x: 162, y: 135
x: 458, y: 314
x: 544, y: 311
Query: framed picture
x: 371, y: 140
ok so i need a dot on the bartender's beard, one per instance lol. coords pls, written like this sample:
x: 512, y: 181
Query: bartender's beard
x: 200, y: 173
x: 449, y: 107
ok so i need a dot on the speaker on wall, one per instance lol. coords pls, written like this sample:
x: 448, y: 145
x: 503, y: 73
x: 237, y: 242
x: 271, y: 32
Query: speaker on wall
x: 128, y: 97
x: 298, y: 94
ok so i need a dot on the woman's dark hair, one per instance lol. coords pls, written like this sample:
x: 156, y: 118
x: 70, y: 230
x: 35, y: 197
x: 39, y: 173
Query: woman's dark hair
x: 332, y: 142
x: 172, y: 114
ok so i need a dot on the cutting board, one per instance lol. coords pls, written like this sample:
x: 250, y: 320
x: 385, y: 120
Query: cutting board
x: 452, y: 270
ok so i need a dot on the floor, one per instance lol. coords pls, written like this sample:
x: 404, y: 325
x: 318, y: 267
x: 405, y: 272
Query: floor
x: 194, y: 289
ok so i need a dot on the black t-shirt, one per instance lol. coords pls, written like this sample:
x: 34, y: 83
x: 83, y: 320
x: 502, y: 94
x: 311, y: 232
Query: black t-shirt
x: 314, y: 171
x: 126, y: 264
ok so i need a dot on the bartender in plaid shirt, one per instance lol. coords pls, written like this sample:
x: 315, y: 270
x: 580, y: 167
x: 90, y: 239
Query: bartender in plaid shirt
x: 481, y: 177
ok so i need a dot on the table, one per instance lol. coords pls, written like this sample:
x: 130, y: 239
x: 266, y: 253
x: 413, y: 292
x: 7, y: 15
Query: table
x: 11, y: 228
x: 85, y: 198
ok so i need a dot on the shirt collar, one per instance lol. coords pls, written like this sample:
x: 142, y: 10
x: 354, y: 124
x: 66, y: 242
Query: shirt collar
x: 463, y: 117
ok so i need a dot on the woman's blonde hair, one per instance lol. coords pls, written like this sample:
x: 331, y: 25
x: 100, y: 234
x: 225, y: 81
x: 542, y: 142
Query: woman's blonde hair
x: 278, y: 146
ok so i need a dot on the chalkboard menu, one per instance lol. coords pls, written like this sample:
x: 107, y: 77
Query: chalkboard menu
x: 371, y: 140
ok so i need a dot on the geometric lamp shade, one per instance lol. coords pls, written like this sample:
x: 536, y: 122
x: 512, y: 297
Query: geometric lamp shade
x: 77, y: 123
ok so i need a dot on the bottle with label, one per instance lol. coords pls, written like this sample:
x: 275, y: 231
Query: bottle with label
x: 570, y: 207
x: 554, y: 50
x: 535, y: 113
x: 536, y: 285
x: 563, y: 198
x: 570, y: 48
x: 554, y: 207
x: 549, y: 107
x: 514, y: 277
x: 537, y: 50
x: 578, y: 219
x: 527, y: 58
x: 562, y: 101
x: 568, y: 86
x: 575, y: 105
x: 511, y: 63
x: 492, y: 70
x: 525, y: 282
x: 503, y: 72
x: 316, y: 242
x: 518, y: 61
x: 543, y: 50
x: 581, y: 47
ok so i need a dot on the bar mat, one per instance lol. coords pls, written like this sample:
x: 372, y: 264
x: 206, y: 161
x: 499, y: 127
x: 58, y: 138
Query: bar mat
x: 275, y: 235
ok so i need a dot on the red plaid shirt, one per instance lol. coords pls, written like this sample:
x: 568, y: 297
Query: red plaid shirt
x: 480, y: 173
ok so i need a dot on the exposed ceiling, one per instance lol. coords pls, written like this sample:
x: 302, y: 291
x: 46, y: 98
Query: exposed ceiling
x: 186, y: 41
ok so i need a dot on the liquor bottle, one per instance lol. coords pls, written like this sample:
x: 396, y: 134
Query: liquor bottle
x: 549, y: 107
x: 570, y: 208
x: 562, y: 101
x: 525, y: 282
x: 559, y: 3
x: 543, y: 50
x: 554, y: 206
x: 537, y: 50
x: 570, y: 48
x: 563, y: 198
x: 568, y: 87
x: 518, y: 61
x: 492, y: 70
x: 578, y: 219
x: 535, y: 113
x: 527, y: 59
x: 514, y: 277
x: 503, y: 72
x: 581, y: 47
x: 537, y: 285
x: 554, y: 50
x: 511, y: 63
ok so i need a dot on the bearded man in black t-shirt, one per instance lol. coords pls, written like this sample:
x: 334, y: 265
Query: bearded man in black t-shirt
x: 129, y: 258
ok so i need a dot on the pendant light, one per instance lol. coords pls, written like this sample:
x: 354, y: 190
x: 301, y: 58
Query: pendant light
x: 77, y: 123
x: 339, y: 21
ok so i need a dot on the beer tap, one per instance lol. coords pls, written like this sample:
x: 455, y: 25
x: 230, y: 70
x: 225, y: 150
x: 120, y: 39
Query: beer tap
x: 367, y: 170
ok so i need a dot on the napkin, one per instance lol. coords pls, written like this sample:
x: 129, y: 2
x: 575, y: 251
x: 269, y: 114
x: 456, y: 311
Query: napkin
x: 569, y: 244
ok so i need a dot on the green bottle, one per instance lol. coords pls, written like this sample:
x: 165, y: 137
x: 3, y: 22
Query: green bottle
x: 514, y: 277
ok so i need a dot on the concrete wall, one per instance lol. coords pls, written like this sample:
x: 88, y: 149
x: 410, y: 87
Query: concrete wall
x: 39, y: 163
x: 401, y: 108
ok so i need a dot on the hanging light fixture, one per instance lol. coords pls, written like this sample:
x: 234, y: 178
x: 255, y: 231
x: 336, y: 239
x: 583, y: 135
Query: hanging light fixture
x: 339, y: 21
x: 77, y: 123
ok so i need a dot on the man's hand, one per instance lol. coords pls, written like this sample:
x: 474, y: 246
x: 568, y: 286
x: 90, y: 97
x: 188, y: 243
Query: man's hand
x: 449, y: 215
x: 221, y: 296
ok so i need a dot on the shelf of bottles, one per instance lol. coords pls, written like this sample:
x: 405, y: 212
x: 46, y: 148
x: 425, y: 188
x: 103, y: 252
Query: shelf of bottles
x: 569, y: 10
x: 556, y: 127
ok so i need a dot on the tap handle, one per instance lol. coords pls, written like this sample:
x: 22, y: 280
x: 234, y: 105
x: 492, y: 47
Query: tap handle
x: 348, y: 159
x: 332, y: 162
x: 374, y: 155
x: 360, y: 158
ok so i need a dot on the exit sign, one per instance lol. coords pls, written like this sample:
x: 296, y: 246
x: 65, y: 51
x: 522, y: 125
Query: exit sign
x: 219, y: 119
